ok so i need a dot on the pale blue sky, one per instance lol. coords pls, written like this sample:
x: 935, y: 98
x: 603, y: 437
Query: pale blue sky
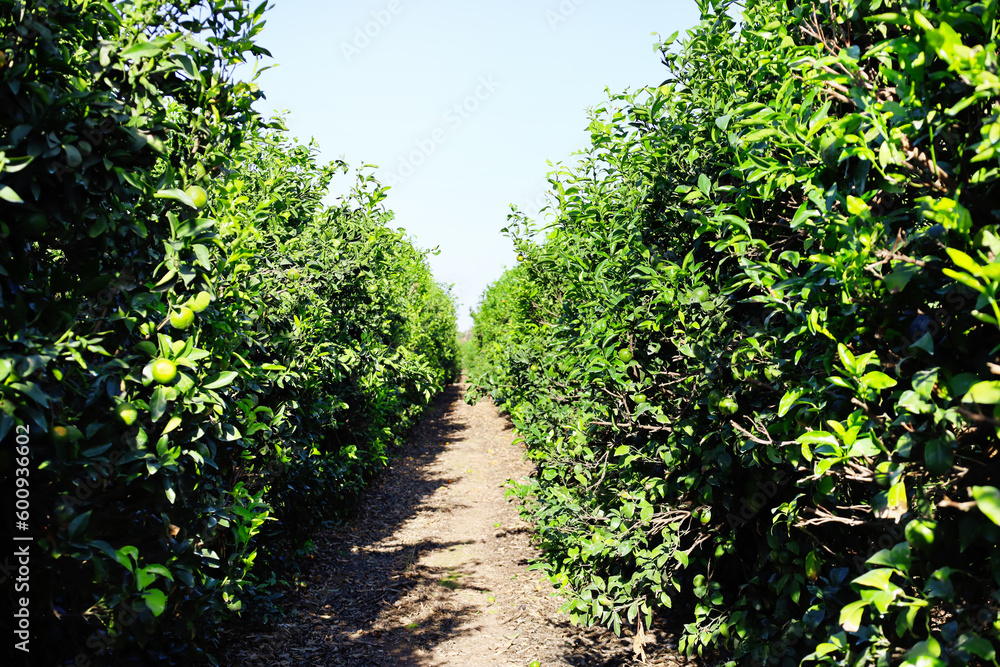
x: 460, y: 103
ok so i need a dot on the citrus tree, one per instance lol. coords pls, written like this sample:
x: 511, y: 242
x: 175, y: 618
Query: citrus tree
x: 184, y: 351
x: 752, y: 353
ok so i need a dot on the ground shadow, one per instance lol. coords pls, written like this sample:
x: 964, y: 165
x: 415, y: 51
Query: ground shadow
x: 350, y: 582
x: 368, y: 599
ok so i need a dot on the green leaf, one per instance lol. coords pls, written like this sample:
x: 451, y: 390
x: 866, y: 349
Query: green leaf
x: 230, y: 433
x: 789, y: 400
x: 172, y: 424
x: 939, y: 456
x: 273, y: 367
x: 896, y: 498
x: 142, y: 50
x: 857, y: 206
x: 987, y: 393
x: 144, y: 578
x: 79, y: 524
x: 847, y: 359
x: 704, y: 184
x: 128, y: 556
x: 818, y: 438
x: 988, y: 501
x: 161, y: 570
x: 33, y: 391
x: 7, y: 194
x: 875, y: 579
x: 158, y: 404
x: 962, y: 383
x: 898, y: 557
x: 925, y: 653
x: 105, y: 548
x: 220, y: 380
x: 864, y: 447
x: 851, y: 615
x: 878, y: 380
x: 925, y: 343
x: 148, y: 347
x: 900, y: 278
x: 965, y: 279
x: 964, y: 261
x: 156, y: 600
x: 179, y: 195
x: 924, y: 381
x: 911, y: 401
x: 977, y: 646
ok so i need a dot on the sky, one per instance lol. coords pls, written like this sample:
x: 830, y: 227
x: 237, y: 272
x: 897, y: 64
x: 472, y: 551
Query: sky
x: 463, y: 105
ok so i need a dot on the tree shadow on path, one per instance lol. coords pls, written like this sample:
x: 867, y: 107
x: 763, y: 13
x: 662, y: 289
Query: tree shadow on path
x: 357, y: 572
x: 415, y: 579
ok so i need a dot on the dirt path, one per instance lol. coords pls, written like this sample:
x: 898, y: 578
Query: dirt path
x: 433, y: 570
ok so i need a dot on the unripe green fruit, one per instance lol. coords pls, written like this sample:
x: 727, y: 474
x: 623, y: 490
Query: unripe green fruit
x: 164, y: 371
x: 728, y: 406
x: 127, y: 413
x: 199, y: 302
x: 625, y: 355
x: 198, y: 195
x: 805, y: 417
x: 182, y: 318
x: 61, y: 434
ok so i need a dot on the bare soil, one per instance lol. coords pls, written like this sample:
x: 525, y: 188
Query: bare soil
x: 433, y: 569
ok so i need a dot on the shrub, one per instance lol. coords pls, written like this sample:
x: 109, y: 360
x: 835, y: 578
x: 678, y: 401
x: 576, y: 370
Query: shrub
x: 200, y: 375
x: 751, y: 357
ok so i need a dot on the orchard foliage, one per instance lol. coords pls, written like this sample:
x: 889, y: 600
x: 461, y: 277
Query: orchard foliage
x: 754, y: 356
x: 205, y: 360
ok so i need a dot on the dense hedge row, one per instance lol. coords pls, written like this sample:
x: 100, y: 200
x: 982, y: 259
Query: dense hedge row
x: 199, y: 361
x: 755, y: 354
